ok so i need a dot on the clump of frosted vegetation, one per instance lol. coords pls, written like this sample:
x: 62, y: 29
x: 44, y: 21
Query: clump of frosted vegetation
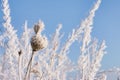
x: 37, y: 58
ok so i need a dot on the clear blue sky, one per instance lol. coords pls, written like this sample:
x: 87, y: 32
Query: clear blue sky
x: 70, y: 13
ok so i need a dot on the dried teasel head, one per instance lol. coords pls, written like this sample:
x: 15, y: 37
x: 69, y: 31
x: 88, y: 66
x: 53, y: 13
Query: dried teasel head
x: 39, y: 42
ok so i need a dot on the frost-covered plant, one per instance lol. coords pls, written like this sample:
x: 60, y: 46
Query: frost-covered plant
x: 10, y: 43
x: 34, y: 57
x: 38, y: 41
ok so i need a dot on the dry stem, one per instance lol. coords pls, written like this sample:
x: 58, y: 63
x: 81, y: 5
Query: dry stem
x: 27, y: 75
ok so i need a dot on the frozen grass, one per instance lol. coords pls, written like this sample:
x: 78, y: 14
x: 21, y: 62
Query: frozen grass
x: 37, y: 58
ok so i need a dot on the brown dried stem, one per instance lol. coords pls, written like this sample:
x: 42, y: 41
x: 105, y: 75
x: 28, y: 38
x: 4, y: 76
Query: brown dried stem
x: 27, y: 75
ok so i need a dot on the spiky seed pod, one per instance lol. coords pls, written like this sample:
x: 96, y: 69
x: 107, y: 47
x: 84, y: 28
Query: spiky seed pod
x: 38, y: 42
x: 39, y: 27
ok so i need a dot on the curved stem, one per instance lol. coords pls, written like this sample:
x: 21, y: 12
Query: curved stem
x: 27, y: 75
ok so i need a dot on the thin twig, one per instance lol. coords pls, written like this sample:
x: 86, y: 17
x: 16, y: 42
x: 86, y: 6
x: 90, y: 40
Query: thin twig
x: 19, y: 65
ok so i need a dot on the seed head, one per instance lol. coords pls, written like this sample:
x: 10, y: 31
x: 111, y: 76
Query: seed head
x: 39, y: 27
x: 38, y: 41
x: 20, y: 52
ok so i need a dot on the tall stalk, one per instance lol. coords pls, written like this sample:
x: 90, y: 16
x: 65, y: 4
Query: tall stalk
x: 19, y: 65
x: 27, y: 75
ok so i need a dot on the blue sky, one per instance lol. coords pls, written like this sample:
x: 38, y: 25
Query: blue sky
x: 70, y: 13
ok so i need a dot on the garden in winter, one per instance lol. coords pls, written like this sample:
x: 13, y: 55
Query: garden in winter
x: 34, y: 49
